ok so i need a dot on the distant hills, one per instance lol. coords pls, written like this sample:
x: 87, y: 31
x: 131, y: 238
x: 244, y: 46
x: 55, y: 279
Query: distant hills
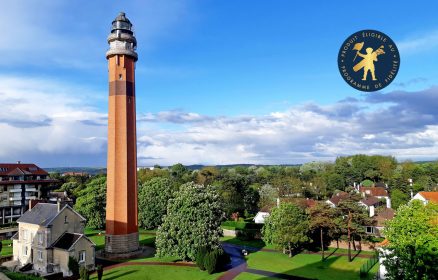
x: 102, y: 170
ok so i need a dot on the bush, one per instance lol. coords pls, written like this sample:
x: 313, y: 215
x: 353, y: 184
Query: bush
x: 73, y: 265
x: 246, y: 234
x: 84, y: 274
x: 210, y: 261
x: 200, y: 257
x: 99, y: 270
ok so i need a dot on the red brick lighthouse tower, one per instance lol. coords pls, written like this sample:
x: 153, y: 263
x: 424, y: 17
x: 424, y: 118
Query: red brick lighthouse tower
x: 121, y: 207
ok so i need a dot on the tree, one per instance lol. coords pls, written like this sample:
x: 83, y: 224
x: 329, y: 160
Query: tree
x: 354, y: 219
x: 251, y: 200
x: 412, y: 252
x: 286, y: 227
x: 398, y: 198
x: 192, y: 221
x: 322, y: 220
x: 152, y: 201
x: 91, y: 202
x: 268, y: 195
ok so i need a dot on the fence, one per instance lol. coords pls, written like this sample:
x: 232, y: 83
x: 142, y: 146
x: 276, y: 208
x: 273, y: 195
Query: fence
x: 366, y: 267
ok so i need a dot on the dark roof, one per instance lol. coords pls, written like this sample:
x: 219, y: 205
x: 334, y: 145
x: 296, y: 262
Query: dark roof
x: 66, y: 240
x: 267, y: 208
x: 12, y: 169
x: 374, y: 191
x: 122, y: 17
x: 380, y: 184
x: 383, y: 216
x: 336, y: 198
x: 42, y: 214
x: 370, y: 200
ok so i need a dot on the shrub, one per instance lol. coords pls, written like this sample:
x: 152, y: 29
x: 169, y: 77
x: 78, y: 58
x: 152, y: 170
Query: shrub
x: 210, y: 261
x: 99, y: 270
x: 73, y: 265
x: 200, y: 257
x: 84, y: 274
x: 246, y: 234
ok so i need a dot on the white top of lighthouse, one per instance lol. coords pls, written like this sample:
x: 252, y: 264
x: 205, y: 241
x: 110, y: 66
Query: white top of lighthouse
x: 122, y: 39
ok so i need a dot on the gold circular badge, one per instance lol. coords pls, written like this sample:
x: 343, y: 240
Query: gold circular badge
x: 368, y: 60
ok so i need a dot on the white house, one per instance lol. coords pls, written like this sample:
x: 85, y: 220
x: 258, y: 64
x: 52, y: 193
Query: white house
x: 48, y: 235
x: 426, y: 197
x: 262, y: 215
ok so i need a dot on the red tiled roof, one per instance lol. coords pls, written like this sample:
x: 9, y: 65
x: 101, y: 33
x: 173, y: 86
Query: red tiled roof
x: 16, y: 169
x: 374, y: 191
x: 431, y: 196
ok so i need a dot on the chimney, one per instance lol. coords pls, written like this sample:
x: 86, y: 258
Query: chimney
x: 18, y: 161
x: 372, y: 211
x: 59, y: 205
x: 412, y: 194
x: 278, y: 202
x: 388, y: 202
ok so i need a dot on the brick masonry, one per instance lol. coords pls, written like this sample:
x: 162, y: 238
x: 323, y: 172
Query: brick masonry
x: 123, y: 243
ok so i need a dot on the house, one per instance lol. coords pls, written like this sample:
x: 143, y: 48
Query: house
x: 19, y: 183
x: 380, y: 219
x: 336, y: 198
x: 48, y: 235
x: 262, y: 215
x: 427, y: 197
x: 378, y: 192
x: 370, y: 203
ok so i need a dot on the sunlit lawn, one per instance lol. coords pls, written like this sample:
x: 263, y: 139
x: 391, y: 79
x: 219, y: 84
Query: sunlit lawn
x: 6, y: 248
x: 146, y: 238
x: 250, y: 276
x: 309, y: 266
x: 152, y: 272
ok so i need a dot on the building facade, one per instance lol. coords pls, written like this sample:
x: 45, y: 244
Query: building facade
x: 48, y: 235
x: 20, y: 183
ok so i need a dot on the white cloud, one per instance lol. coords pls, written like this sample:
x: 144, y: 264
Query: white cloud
x: 427, y: 41
x: 40, y: 118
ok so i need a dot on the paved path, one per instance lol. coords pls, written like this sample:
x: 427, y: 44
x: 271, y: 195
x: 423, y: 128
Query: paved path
x: 237, y: 264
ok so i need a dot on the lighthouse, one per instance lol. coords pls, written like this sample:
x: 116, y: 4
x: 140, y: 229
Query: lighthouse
x: 121, y: 206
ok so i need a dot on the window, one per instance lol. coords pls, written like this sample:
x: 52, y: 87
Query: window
x: 65, y: 220
x: 120, y: 76
x: 24, y: 234
x: 25, y: 250
x: 40, y: 238
x: 370, y: 230
x: 82, y: 256
x: 40, y: 255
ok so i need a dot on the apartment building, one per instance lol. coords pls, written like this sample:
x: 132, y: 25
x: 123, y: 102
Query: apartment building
x: 19, y: 183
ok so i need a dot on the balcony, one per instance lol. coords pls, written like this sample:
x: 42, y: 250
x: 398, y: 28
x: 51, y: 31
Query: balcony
x: 31, y: 189
x: 30, y: 197
x: 15, y: 190
x: 15, y: 198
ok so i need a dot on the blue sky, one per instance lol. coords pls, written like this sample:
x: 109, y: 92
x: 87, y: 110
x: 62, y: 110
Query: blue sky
x: 218, y: 82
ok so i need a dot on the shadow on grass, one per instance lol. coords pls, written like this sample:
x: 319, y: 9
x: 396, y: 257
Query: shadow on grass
x: 124, y: 273
x: 326, y: 270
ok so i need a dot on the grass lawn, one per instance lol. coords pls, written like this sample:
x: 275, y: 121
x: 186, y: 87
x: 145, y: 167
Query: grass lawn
x: 256, y: 243
x: 6, y: 248
x: 151, y: 272
x: 309, y: 266
x: 145, y: 237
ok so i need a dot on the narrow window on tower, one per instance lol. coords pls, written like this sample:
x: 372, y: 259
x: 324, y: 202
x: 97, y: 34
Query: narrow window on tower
x: 120, y: 76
